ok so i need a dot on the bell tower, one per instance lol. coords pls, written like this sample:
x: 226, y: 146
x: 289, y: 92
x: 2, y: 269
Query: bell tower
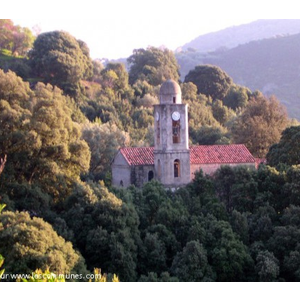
x: 171, y: 140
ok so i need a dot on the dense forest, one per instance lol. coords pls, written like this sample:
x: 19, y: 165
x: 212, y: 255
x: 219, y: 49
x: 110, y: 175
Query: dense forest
x: 63, y: 116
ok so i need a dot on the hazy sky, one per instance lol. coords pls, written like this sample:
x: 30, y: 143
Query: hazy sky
x: 113, y: 28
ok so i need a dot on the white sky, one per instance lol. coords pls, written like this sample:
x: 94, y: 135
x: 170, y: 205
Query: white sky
x: 113, y: 28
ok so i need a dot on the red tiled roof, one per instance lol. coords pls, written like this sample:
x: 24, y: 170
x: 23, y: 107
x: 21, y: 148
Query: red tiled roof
x: 259, y: 161
x: 139, y: 155
x: 216, y: 154
x: 220, y: 154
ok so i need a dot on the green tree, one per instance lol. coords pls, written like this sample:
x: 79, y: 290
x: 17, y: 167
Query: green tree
x: 192, y: 264
x: 286, y: 150
x: 153, y: 65
x: 260, y: 125
x: 104, y: 142
x: 29, y: 244
x: 61, y: 60
x: 115, y: 77
x: 236, y: 188
x: 189, y: 91
x: 210, y: 81
x: 210, y: 135
x: 237, y: 97
x: 222, y: 113
x: 267, y: 266
x: 153, y: 254
x: 291, y: 188
x: 105, y: 229
x: 201, y: 114
x: 291, y: 265
x: 43, y: 144
x: 228, y: 256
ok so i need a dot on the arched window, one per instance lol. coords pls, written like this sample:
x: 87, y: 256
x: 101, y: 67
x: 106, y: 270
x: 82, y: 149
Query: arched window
x: 176, y: 168
x: 121, y: 183
x: 150, y: 175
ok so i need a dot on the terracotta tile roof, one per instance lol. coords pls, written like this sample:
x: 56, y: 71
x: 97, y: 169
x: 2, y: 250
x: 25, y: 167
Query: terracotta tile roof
x: 139, y: 155
x: 259, y: 161
x: 216, y: 154
x: 220, y: 154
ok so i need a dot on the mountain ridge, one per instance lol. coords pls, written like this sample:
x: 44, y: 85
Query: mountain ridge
x: 233, y: 36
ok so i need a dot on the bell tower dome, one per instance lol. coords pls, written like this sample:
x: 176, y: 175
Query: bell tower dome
x: 170, y: 93
x: 171, y: 148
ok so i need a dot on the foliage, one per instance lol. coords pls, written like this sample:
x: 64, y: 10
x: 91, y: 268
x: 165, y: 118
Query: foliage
x: 37, y: 130
x: 239, y: 225
x: 191, y: 264
x: 61, y: 60
x: 152, y: 65
x: 210, y: 135
x: 260, y: 125
x: 267, y: 266
x: 104, y: 142
x: 15, y: 38
x: 29, y: 244
x: 115, y: 78
x: 237, y: 97
x: 222, y: 113
x: 103, y: 224
x: 210, y: 81
x: 286, y: 150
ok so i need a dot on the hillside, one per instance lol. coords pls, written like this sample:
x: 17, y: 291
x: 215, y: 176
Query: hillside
x: 238, y: 35
x: 270, y: 65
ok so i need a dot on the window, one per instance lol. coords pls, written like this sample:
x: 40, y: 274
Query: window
x: 158, y: 132
x: 174, y: 99
x: 150, y: 175
x: 176, y: 168
x: 121, y: 183
x: 176, y: 131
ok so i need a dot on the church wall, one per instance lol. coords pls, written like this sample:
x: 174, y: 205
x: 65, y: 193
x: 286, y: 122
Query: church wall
x: 140, y: 174
x: 121, y: 172
x: 210, y: 169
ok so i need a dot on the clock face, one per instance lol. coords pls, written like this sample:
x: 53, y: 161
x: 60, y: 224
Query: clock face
x: 175, y: 116
x: 157, y: 116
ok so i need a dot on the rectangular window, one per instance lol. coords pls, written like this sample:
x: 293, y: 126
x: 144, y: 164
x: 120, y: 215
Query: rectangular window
x: 176, y: 131
x: 158, y: 132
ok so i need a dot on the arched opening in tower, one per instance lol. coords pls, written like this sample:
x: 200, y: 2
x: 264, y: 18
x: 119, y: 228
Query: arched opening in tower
x: 176, y: 168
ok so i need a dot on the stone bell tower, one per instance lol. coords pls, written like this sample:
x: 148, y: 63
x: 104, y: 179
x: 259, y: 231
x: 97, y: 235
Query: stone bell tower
x: 171, y: 138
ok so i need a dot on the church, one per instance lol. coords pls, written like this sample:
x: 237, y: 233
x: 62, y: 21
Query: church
x: 172, y: 161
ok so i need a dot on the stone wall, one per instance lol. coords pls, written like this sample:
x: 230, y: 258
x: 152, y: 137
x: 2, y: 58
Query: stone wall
x: 121, y: 172
x: 140, y: 174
